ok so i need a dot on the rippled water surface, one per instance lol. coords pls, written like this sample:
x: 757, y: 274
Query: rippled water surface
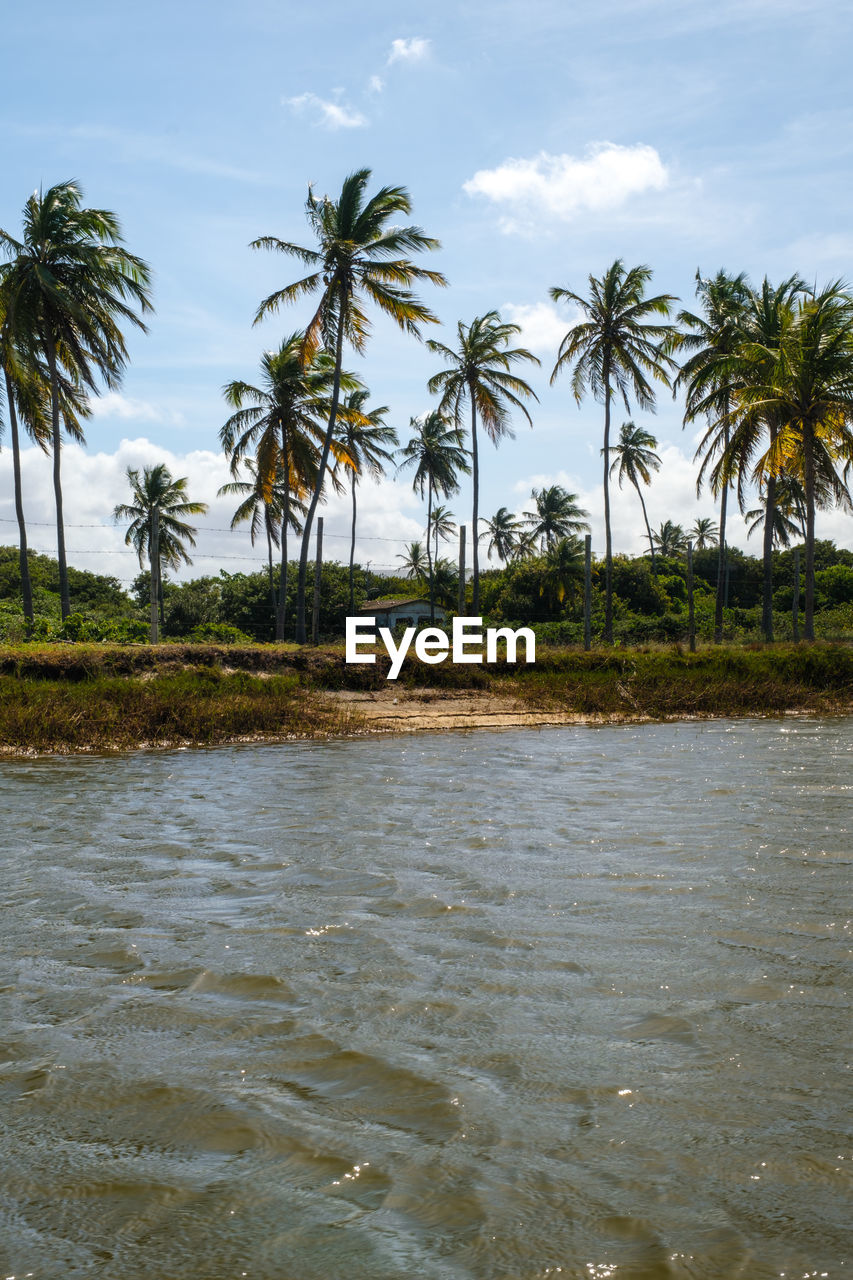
x: 459, y: 1007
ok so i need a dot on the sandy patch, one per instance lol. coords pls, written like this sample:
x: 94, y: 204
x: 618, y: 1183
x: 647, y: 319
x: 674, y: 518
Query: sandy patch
x: 412, y: 710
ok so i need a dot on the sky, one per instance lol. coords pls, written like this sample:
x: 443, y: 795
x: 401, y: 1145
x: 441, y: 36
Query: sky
x: 539, y: 141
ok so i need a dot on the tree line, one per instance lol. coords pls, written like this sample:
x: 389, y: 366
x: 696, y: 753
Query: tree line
x: 767, y: 369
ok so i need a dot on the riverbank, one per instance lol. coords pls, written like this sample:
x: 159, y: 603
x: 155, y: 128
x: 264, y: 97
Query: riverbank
x: 100, y: 698
x: 71, y: 698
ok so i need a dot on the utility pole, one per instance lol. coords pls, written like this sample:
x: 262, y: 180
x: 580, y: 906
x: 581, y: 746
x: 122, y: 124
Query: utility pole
x: 795, y: 606
x: 154, y: 544
x: 587, y: 591
x: 461, y: 609
x: 691, y: 617
x: 318, y: 565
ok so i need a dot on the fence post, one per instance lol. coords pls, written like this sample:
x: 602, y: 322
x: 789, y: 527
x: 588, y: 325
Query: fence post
x: 691, y: 618
x: 318, y: 565
x: 461, y: 609
x: 795, y: 606
x: 587, y: 591
x: 153, y: 634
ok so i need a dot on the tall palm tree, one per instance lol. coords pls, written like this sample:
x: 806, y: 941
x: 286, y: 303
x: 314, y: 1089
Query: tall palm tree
x: 806, y: 388
x: 443, y: 526
x: 712, y: 338
x: 71, y: 284
x: 634, y: 459
x: 360, y: 256
x: 437, y: 453
x: 367, y: 439
x: 282, y: 423
x: 156, y: 489
x: 704, y: 533
x: 670, y: 540
x: 556, y: 515
x: 479, y: 373
x: 617, y: 346
x: 264, y: 509
x: 503, y: 531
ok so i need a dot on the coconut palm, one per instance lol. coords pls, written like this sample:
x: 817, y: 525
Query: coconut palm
x: 556, y: 515
x: 281, y: 422
x: 265, y: 509
x: 367, y: 440
x: 704, y: 533
x: 479, y: 374
x: 360, y: 256
x: 789, y: 512
x: 442, y: 526
x: 414, y: 562
x: 805, y: 387
x: 503, y: 531
x: 437, y: 452
x: 617, y: 346
x: 156, y: 490
x: 634, y: 459
x: 670, y: 540
x: 70, y: 284
x: 562, y: 568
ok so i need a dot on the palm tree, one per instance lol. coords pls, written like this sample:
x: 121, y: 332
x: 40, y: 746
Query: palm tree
x: 557, y: 515
x: 443, y: 526
x: 437, y: 453
x: 480, y: 374
x: 503, y: 531
x: 670, y: 540
x: 563, y: 566
x: 266, y: 510
x: 156, y: 490
x: 806, y: 388
x: 364, y: 436
x: 712, y: 338
x: 414, y: 562
x: 704, y: 533
x: 282, y: 422
x: 617, y: 346
x: 789, y: 511
x: 359, y: 256
x: 634, y: 459
x: 70, y: 284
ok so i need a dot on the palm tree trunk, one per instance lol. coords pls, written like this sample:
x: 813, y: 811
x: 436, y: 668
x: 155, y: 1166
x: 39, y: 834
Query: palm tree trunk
x: 809, y: 482
x: 475, y: 475
x: 767, y: 588
x: 281, y: 610
x: 301, y: 632
x: 721, y: 558
x: 269, y: 558
x: 608, y: 543
x: 64, y: 596
x: 648, y: 526
x: 429, y: 553
x: 26, y: 585
x: 352, y: 551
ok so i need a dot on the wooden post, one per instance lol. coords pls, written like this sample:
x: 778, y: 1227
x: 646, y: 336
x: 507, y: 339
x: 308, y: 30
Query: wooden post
x: 461, y: 609
x: 318, y: 565
x: 587, y: 591
x: 691, y: 617
x: 155, y: 575
x: 795, y: 607
x: 727, y: 580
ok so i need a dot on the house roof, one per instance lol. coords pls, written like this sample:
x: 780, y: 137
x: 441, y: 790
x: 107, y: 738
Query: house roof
x: 390, y: 602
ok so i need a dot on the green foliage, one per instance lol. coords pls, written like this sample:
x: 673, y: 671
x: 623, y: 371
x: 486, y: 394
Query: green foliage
x: 219, y: 633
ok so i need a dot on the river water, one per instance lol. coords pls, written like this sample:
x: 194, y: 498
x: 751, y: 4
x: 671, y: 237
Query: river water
x: 491, y: 1006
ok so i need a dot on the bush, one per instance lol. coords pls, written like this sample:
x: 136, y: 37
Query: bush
x: 218, y: 633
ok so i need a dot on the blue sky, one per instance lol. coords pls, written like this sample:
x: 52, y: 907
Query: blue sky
x: 538, y: 141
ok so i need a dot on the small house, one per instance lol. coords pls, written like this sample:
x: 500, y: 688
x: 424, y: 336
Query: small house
x: 408, y: 610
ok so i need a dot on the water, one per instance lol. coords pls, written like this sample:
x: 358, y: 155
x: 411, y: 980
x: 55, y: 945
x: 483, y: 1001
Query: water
x: 460, y: 1007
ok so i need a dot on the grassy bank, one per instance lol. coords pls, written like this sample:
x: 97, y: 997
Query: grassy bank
x: 101, y: 697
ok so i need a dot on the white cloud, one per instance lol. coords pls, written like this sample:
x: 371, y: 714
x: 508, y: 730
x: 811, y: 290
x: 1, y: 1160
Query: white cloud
x: 412, y: 50
x: 332, y: 115
x: 113, y: 405
x: 562, y: 186
x: 542, y: 327
x: 376, y: 84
